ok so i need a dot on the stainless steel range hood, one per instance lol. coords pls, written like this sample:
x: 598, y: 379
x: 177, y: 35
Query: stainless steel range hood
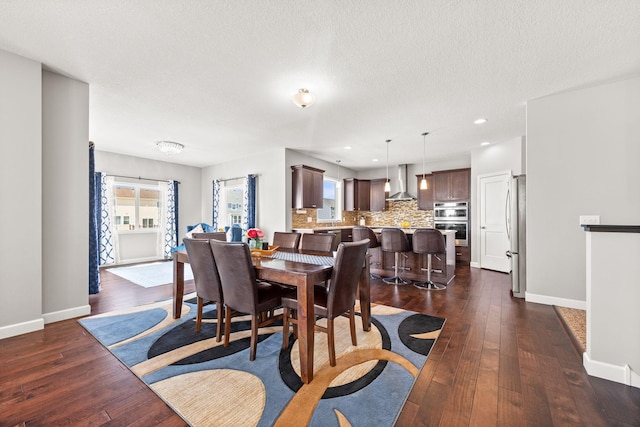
x: 402, y: 180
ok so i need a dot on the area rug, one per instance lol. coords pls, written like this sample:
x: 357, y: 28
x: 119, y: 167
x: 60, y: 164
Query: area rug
x: 576, y: 320
x: 210, y: 385
x: 151, y: 274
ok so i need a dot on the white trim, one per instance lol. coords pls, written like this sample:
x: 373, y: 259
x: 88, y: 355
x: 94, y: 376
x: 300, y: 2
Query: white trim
x: 69, y: 313
x: 21, y: 328
x: 474, y: 264
x: 619, y: 374
x: 560, y: 302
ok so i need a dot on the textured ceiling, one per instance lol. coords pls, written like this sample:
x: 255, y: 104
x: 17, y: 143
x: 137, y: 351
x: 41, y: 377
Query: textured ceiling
x: 219, y: 76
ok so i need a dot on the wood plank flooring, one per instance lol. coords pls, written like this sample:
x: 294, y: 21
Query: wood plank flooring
x: 498, y: 361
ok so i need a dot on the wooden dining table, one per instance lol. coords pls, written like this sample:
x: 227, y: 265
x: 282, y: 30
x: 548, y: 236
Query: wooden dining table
x: 303, y: 276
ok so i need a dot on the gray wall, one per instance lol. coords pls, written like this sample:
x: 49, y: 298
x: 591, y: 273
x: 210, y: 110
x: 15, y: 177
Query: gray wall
x: 583, y: 148
x: 65, y: 197
x: 20, y: 186
x: 44, y: 178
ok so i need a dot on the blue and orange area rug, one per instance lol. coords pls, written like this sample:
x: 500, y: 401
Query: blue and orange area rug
x: 210, y: 385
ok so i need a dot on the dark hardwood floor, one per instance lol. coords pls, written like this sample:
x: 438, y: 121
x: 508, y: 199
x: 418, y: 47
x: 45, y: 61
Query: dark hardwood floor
x: 498, y: 361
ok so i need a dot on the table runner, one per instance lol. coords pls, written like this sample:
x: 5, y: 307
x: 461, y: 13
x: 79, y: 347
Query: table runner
x: 309, y: 259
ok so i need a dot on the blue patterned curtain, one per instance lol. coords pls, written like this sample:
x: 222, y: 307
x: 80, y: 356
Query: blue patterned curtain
x: 249, y: 203
x: 215, y: 221
x: 107, y: 254
x: 171, y: 215
x: 94, y: 272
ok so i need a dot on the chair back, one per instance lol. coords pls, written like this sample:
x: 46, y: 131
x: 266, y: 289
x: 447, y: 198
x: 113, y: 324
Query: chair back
x: 321, y: 242
x: 394, y: 240
x: 361, y: 233
x: 343, y: 287
x: 286, y: 240
x: 205, y: 271
x: 217, y: 235
x: 237, y: 275
x: 428, y: 241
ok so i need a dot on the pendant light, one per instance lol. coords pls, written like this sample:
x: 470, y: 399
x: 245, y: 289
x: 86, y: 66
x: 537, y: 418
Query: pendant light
x: 387, y: 185
x: 423, y: 183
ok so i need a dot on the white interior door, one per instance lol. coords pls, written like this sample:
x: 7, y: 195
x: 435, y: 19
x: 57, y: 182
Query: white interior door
x: 494, y: 241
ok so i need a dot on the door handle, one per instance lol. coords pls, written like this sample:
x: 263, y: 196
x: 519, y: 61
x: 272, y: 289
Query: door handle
x: 483, y: 227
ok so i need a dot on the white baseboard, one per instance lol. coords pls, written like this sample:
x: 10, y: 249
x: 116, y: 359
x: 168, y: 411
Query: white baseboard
x: 607, y: 371
x: 474, y: 264
x: 561, y: 302
x: 69, y: 313
x: 21, y: 328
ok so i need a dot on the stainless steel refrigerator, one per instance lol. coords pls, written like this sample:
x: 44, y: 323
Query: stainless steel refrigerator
x: 517, y: 234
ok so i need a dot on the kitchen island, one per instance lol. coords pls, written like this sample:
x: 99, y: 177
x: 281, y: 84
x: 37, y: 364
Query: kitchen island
x: 414, y: 266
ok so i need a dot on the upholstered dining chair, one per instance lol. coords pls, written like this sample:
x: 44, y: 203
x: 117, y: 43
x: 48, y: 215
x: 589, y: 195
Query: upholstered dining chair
x: 321, y: 242
x: 207, y: 280
x: 337, y: 299
x: 286, y: 240
x: 243, y: 293
x: 216, y: 235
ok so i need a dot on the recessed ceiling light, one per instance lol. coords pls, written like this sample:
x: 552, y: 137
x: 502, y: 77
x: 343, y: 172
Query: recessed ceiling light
x: 485, y: 143
x: 374, y: 160
x: 347, y: 147
x: 480, y: 121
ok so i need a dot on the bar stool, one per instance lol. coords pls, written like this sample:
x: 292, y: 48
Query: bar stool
x: 395, y: 240
x: 429, y: 241
x: 361, y: 233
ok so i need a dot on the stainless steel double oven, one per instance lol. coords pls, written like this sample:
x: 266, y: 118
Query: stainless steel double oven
x: 452, y: 216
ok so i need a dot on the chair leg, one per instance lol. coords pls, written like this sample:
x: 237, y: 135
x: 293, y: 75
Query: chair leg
x: 199, y: 314
x: 227, y: 326
x: 219, y: 310
x: 285, y: 328
x: 352, y: 326
x: 331, y: 343
x: 254, y: 336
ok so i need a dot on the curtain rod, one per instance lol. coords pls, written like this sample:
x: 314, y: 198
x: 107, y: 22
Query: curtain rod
x: 140, y: 178
x: 232, y: 179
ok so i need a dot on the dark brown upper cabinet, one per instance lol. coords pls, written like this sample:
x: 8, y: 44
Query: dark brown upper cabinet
x: 451, y: 185
x: 307, y: 187
x: 425, y: 197
x: 357, y: 194
x: 378, y: 196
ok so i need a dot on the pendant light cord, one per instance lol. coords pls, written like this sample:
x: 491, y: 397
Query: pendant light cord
x: 424, y: 150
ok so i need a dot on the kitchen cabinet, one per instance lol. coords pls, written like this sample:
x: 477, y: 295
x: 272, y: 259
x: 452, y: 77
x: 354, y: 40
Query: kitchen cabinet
x: 452, y: 185
x: 377, y: 202
x: 357, y: 194
x: 425, y: 197
x: 307, y: 187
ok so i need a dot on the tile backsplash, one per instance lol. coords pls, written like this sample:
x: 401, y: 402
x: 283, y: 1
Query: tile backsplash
x: 395, y: 213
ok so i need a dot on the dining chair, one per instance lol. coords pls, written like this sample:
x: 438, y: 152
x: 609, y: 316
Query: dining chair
x: 207, y: 280
x: 338, y: 298
x: 216, y: 235
x: 243, y: 293
x: 321, y: 242
x: 286, y: 240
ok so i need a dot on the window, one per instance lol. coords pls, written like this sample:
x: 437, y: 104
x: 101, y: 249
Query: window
x: 231, y: 197
x: 331, y: 201
x: 136, y: 206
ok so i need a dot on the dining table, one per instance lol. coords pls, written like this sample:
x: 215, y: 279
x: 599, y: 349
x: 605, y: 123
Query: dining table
x: 295, y: 268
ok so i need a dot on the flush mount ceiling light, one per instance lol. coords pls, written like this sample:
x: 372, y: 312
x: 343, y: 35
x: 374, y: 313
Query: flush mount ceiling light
x: 303, y: 98
x: 169, y: 147
x: 423, y: 182
x: 387, y: 184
